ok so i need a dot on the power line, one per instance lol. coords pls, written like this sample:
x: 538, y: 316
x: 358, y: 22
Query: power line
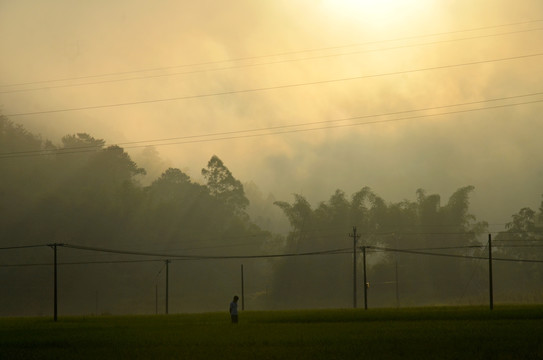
x: 263, y: 63
x: 284, y: 126
x: 416, y: 252
x: 144, y: 253
x: 303, y: 130
x: 307, y: 232
x: 517, y: 240
x: 201, y: 257
x: 198, y: 138
x: 147, y: 142
x: 277, y: 87
x: 349, y: 125
x: 519, y: 246
x: 473, y: 272
x: 421, y: 252
x: 450, y: 247
x: 174, y: 257
x: 21, y: 247
x: 123, y: 252
x: 105, y: 262
x: 213, y: 62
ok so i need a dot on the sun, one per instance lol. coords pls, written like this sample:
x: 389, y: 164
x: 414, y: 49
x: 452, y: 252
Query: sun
x: 378, y: 14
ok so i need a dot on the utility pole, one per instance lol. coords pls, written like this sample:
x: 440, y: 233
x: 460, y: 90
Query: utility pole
x: 242, y: 290
x: 365, y: 280
x: 167, y: 283
x: 397, y: 287
x: 355, y: 237
x: 55, y: 283
x: 397, y: 277
x: 55, y: 297
x: 490, y: 282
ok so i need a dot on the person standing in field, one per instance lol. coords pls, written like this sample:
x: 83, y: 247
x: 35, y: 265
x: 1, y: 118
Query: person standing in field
x: 234, y: 310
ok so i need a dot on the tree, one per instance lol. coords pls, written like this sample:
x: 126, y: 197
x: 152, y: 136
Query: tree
x: 223, y: 186
x: 421, y: 224
x: 22, y: 173
x: 172, y: 184
x: 320, y: 281
x: 15, y: 138
x: 83, y: 193
x: 82, y: 141
x: 300, y: 216
x: 74, y: 155
x: 521, y: 240
x: 522, y: 237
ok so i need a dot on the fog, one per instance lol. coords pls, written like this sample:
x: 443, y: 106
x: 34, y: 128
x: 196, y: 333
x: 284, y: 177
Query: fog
x: 296, y: 97
x: 497, y: 151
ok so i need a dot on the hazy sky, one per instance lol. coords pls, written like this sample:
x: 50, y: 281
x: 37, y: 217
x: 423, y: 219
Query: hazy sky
x: 183, y: 69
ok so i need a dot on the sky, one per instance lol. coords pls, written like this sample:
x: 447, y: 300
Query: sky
x: 297, y: 96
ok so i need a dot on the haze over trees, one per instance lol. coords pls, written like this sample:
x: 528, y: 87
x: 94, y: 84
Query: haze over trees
x: 82, y: 192
x: 420, y: 224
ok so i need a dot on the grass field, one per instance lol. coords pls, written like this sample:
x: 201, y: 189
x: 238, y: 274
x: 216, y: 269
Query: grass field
x: 509, y: 332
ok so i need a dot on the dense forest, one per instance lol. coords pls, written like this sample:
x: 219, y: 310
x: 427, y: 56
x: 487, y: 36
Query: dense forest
x: 90, y: 196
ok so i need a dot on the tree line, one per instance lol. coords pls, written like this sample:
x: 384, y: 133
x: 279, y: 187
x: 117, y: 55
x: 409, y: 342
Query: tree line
x: 86, y: 193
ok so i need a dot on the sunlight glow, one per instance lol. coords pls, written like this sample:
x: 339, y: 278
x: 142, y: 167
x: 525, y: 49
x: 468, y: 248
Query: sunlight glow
x: 378, y: 14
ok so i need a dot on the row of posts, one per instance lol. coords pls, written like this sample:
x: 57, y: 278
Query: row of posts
x: 167, y: 263
x: 355, y: 237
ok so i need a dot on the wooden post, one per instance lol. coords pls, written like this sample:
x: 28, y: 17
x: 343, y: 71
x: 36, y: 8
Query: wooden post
x: 365, y: 280
x: 55, y: 283
x: 490, y: 281
x: 242, y: 290
x: 167, y: 283
x: 355, y: 237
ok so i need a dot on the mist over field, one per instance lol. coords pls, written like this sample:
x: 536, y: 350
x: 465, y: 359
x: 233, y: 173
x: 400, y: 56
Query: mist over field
x: 248, y: 128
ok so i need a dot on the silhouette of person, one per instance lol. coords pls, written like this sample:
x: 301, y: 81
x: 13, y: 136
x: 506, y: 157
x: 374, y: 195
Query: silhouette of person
x: 234, y: 310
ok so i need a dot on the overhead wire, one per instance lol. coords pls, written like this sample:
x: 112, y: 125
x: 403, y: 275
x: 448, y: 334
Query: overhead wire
x: 417, y: 252
x: 198, y: 257
x: 275, y: 87
x: 21, y: 247
x: 149, y: 142
x: 472, y: 276
x: 213, y: 62
x: 517, y: 240
x: 49, y: 152
x: 519, y: 246
x: 178, y: 257
x: 245, y: 133
x: 160, y: 271
x: 98, y: 262
x: 263, y: 63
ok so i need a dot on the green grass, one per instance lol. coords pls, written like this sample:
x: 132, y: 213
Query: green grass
x: 425, y: 333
